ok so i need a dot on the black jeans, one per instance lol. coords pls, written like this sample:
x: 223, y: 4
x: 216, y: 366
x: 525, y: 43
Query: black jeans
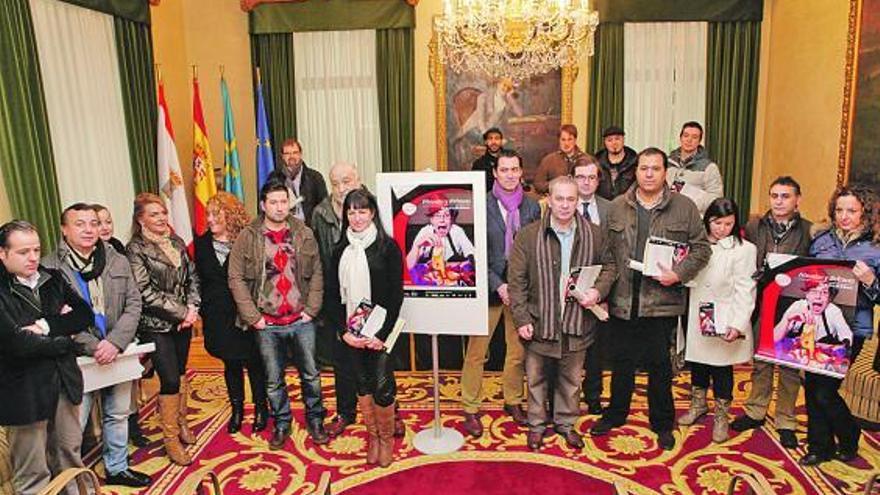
x: 344, y: 380
x: 830, y: 424
x: 374, y: 374
x: 642, y: 341
x: 172, y: 351
x: 721, y: 378
x: 233, y: 373
x: 594, y: 363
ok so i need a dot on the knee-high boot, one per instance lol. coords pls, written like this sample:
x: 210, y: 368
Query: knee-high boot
x: 368, y: 409
x: 169, y: 409
x: 385, y: 423
x: 186, y: 435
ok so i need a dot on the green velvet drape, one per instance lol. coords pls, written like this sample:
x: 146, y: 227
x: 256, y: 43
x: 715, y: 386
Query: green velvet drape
x: 273, y: 55
x: 396, y: 89
x: 606, y: 84
x: 26, y: 158
x: 731, y: 94
x: 135, y: 53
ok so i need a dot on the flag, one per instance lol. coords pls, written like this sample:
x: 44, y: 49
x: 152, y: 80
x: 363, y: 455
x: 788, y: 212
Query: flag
x: 231, y: 164
x: 170, y: 179
x: 265, y: 163
x: 204, y: 186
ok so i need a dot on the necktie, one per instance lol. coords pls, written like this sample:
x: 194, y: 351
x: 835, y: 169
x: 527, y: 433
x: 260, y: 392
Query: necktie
x: 586, y: 211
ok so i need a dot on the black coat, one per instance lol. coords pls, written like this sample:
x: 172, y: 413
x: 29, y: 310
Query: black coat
x: 386, y: 284
x: 35, y: 369
x: 312, y: 188
x: 626, y: 173
x: 486, y: 164
x: 223, y: 339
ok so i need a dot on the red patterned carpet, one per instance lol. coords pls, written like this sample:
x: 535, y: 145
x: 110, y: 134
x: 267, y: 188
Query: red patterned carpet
x: 498, y: 463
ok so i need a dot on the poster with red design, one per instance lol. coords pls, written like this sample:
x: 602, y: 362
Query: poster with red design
x: 807, y: 314
x: 438, y: 220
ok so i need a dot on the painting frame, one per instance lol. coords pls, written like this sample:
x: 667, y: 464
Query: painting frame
x: 438, y: 78
x: 851, y: 88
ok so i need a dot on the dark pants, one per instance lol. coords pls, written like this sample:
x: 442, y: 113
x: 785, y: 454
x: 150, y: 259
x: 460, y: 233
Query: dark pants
x: 344, y: 380
x: 642, y: 341
x: 374, y: 374
x: 830, y: 425
x: 172, y: 351
x: 233, y: 372
x: 594, y: 363
x: 720, y: 376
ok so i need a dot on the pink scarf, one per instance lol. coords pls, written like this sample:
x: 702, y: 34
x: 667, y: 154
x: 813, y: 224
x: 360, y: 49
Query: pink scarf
x: 510, y: 200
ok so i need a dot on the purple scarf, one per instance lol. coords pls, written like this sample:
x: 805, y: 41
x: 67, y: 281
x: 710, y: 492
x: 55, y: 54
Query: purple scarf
x: 510, y: 201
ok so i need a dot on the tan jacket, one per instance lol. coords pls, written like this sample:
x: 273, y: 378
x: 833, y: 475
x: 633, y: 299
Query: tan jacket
x: 675, y: 218
x: 247, y: 273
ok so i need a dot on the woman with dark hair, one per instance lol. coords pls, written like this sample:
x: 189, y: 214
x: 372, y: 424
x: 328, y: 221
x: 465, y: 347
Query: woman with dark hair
x: 722, y: 298
x: 169, y: 288
x: 367, y: 265
x: 832, y: 431
x: 225, y: 338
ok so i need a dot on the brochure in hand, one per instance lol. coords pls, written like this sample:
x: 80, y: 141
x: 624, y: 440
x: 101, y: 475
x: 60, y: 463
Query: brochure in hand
x: 660, y: 251
x: 366, y: 320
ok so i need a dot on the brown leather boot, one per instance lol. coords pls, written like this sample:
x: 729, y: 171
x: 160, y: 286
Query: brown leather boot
x: 368, y: 409
x: 720, y: 428
x: 385, y: 423
x: 169, y: 408
x: 186, y: 435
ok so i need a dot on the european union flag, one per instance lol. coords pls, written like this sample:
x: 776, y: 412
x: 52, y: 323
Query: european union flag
x: 265, y: 162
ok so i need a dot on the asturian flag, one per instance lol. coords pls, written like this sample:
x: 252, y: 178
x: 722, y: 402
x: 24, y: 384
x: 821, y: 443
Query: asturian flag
x: 231, y: 163
x: 265, y: 163
x: 170, y: 179
x: 204, y: 186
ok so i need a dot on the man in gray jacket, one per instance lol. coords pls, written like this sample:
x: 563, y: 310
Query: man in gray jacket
x: 103, y: 278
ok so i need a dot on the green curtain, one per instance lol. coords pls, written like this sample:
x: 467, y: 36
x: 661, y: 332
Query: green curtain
x: 273, y: 55
x: 331, y: 15
x: 26, y: 158
x: 733, y: 54
x: 606, y: 84
x: 135, y: 53
x: 132, y: 10
x: 396, y: 89
x: 679, y: 10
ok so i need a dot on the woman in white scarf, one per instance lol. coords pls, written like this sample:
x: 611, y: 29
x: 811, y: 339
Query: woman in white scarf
x: 367, y: 265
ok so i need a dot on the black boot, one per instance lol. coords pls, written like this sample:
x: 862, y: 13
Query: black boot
x: 237, y: 416
x: 135, y: 435
x: 261, y: 415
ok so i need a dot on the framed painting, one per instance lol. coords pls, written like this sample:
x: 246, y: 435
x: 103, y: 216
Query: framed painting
x: 528, y: 113
x: 860, y: 125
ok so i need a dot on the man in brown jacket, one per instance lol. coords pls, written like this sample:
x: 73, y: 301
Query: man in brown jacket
x: 276, y: 280
x: 646, y: 309
x: 557, y: 329
x: 781, y: 230
x: 559, y: 162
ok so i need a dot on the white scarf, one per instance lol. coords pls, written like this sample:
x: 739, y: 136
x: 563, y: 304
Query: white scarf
x: 354, y: 272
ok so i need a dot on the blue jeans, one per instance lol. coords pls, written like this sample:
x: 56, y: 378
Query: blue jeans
x: 115, y: 407
x: 273, y: 343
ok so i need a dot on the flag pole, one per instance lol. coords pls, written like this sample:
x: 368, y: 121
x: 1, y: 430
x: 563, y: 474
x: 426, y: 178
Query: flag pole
x: 222, y: 71
x: 195, y: 70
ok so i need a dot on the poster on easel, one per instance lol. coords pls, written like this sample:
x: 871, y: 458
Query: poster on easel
x: 807, y: 315
x: 438, y: 219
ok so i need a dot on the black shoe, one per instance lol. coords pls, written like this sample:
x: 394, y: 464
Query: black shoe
x: 236, y: 418
x: 279, y: 436
x: 665, y: 440
x: 573, y: 439
x: 535, y: 440
x: 594, y: 407
x: 846, y: 455
x: 788, y: 439
x: 317, y: 432
x: 745, y: 422
x: 135, y: 435
x: 261, y: 416
x: 813, y: 459
x: 602, y: 427
x: 129, y: 477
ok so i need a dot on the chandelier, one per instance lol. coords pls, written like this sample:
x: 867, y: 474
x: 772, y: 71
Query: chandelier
x: 514, y: 39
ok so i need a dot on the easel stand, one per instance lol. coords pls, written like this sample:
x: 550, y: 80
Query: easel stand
x: 437, y: 440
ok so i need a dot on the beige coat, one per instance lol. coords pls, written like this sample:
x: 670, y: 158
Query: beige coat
x: 727, y: 282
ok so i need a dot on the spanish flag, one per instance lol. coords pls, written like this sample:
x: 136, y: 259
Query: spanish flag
x: 204, y: 186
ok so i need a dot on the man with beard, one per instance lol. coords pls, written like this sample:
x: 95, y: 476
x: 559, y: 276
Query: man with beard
x: 486, y: 163
x: 618, y: 164
x: 306, y: 185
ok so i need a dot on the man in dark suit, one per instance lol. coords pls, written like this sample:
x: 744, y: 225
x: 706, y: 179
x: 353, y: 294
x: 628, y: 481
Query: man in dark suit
x: 306, y: 185
x: 591, y: 206
x: 508, y: 209
x: 40, y: 384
